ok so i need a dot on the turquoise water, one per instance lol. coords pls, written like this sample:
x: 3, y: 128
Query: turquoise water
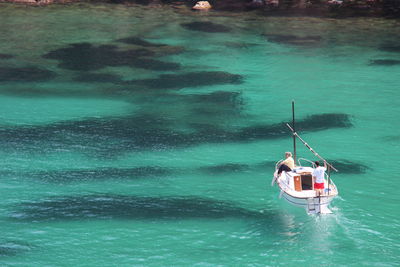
x: 158, y: 150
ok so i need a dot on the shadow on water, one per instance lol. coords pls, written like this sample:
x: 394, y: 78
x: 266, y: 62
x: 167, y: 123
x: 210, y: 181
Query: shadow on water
x: 384, y: 62
x: 100, y: 174
x: 86, y: 57
x: 130, y: 207
x: 117, y: 135
x: 206, y: 27
x: 25, y: 74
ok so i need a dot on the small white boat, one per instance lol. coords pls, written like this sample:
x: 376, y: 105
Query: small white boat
x: 297, y: 185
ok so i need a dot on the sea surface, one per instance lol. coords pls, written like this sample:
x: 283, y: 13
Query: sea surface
x: 147, y: 136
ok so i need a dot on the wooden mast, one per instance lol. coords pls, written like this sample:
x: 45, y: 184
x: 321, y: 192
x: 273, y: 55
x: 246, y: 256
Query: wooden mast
x: 294, y: 134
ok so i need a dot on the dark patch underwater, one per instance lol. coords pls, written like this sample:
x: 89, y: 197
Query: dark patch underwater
x: 191, y: 79
x: 390, y: 47
x: 117, y: 135
x: 91, y: 207
x: 98, y: 77
x: 5, y: 56
x: 87, y: 57
x: 384, y: 62
x: 294, y: 40
x: 25, y: 74
x: 391, y: 138
x: 349, y: 167
x: 225, y: 168
x: 100, y: 174
x: 139, y: 41
x: 13, y: 248
x: 239, y: 45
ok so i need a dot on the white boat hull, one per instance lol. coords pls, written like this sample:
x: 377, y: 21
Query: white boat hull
x: 311, y: 205
x: 307, y: 199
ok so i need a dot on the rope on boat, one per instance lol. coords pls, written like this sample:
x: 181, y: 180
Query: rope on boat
x: 310, y: 148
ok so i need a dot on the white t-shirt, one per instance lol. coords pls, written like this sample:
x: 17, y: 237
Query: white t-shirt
x: 319, y: 174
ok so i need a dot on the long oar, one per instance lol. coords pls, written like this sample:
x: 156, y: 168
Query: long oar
x: 310, y: 148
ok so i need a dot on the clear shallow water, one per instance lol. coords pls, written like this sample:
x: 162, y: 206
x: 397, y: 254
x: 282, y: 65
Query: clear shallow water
x: 134, y: 168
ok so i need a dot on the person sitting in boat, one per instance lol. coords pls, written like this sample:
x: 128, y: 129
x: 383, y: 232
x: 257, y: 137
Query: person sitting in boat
x: 287, y: 165
x: 318, y: 175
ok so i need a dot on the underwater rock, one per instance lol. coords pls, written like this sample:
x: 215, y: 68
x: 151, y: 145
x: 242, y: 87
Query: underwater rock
x: 98, y: 78
x: 191, y: 79
x: 94, y: 207
x: 384, y: 62
x: 86, y: 57
x: 294, y: 40
x: 202, y: 5
x: 206, y: 27
x: 5, y: 56
x: 26, y: 74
